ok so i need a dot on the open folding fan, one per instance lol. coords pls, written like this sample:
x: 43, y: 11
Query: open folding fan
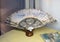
x: 29, y: 19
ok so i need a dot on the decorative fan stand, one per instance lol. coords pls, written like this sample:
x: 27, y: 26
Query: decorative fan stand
x: 29, y: 19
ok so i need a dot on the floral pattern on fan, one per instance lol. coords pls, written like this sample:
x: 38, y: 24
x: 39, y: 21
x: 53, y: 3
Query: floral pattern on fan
x: 26, y: 18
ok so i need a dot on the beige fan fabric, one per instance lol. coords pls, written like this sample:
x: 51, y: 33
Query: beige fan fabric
x: 29, y: 19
